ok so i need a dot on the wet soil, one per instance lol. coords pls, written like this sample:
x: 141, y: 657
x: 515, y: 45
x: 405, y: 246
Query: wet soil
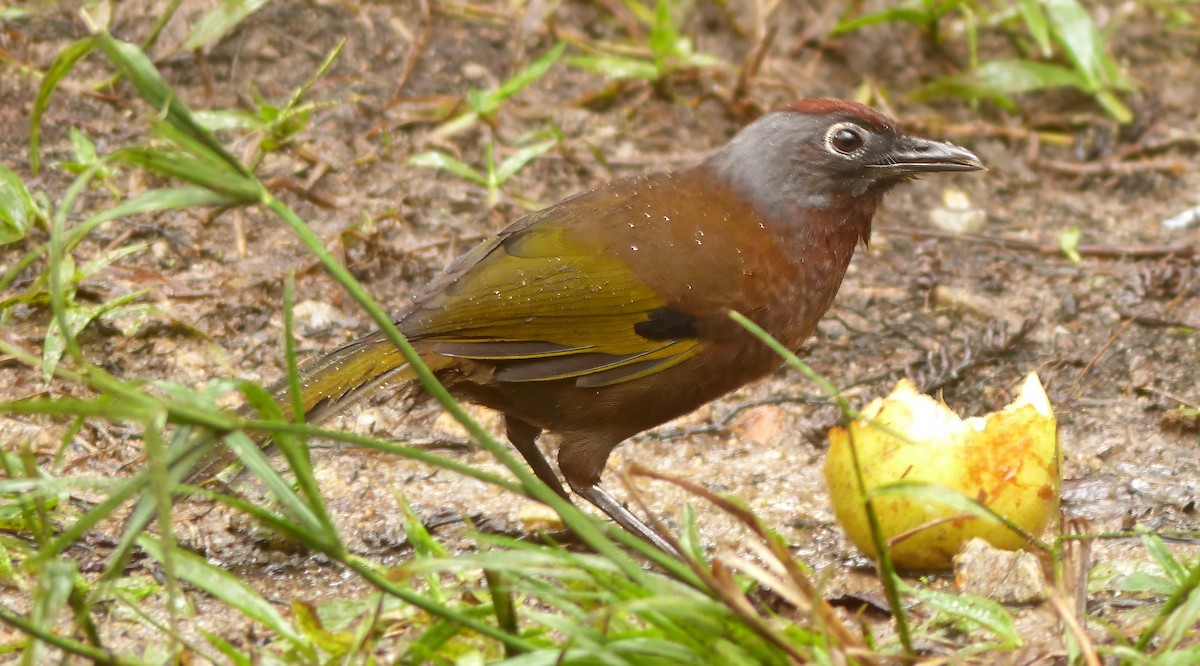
x: 1113, y: 336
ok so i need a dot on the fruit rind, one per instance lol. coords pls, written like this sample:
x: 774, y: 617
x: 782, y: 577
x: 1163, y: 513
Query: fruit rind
x: 1008, y: 460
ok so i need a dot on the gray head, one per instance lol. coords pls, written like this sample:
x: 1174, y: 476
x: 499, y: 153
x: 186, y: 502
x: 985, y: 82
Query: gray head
x: 826, y: 153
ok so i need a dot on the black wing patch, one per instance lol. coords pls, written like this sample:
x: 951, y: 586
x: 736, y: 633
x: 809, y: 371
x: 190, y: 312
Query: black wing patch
x: 667, y: 324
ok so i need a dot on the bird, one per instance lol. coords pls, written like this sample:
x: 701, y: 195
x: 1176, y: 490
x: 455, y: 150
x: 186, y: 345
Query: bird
x: 607, y: 314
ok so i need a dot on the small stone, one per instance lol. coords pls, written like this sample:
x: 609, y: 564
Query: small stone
x: 957, y: 215
x: 760, y: 425
x: 537, y: 517
x: 314, y: 315
x: 1004, y: 576
x: 1188, y: 219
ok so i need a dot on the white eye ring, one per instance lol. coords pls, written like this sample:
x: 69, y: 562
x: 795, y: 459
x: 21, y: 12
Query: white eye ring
x: 845, y: 139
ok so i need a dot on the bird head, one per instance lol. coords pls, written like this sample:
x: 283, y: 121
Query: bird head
x: 821, y: 154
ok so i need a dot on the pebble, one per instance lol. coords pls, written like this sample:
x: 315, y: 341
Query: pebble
x: 1004, y: 576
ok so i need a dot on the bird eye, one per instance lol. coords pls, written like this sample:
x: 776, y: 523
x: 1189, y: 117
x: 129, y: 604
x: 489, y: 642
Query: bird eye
x: 845, y: 138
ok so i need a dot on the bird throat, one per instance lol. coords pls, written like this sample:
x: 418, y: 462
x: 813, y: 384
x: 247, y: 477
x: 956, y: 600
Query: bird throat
x: 817, y: 244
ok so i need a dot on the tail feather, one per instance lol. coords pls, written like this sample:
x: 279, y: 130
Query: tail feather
x: 329, y: 384
x: 338, y: 379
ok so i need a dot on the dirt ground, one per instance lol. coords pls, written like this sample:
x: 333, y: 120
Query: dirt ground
x: 1112, y: 336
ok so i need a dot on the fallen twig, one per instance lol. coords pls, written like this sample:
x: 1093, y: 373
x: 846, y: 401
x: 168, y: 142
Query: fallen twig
x: 1158, y: 322
x: 1113, y: 251
x: 1110, y: 167
x: 415, y: 50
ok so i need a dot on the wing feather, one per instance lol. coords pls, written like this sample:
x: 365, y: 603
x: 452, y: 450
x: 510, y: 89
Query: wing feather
x: 540, y: 305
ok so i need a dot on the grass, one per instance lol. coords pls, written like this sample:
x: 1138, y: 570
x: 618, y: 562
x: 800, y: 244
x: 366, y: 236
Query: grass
x: 520, y: 602
x: 1056, y: 41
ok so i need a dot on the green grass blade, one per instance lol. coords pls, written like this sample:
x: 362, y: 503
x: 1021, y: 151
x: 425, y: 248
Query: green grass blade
x: 133, y: 65
x: 888, y: 576
x: 616, y: 67
x: 436, y: 159
x: 71, y: 646
x: 910, y: 13
x: 522, y: 156
x: 212, y: 176
x: 293, y: 446
x: 502, y: 605
x: 1079, y: 38
x: 229, y: 589
x: 220, y: 20
x: 975, y: 610
x: 63, y: 63
x: 932, y: 492
x: 235, y: 656
x: 1154, y: 545
x: 49, y: 599
x: 17, y: 210
x: 1037, y: 25
x: 257, y: 463
x: 487, y: 103
x: 170, y: 198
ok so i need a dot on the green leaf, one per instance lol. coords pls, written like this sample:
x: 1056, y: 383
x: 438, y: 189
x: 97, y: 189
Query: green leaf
x: 221, y: 120
x: 665, y: 40
x: 17, y: 210
x: 224, y: 17
x: 616, y: 67
x: 83, y: 148
x: 228, y: 588
x: 1128, y: 577
x: 336, y: 643
x: 436, y: 159
x: 914, y: 13
x: 62, y: 65
x: 170, y: 198
x: 137, y: 68
x: 1115, y: 107
x: 107, y: 259
x: 1035, y: 22
x: 203, y: 173
x: 422, y: 542
x: 962, y: 87
x: 703, y: 61
x: 78, y: 318
x: 128, y: 319
x: 1078, y: 36
x: 486, y: 103
x: 977, y: 611
x: 998, y: 80
x: 104, y: 405
x: 233, y: 654
x: 1068, y: 242
x: 1183, y: 621
x: 513, y: 163
x: 49, y: 600
x: 163, y: 199
x: 259, y: 465
x: 1013, y: 77
x: 1158, y: 550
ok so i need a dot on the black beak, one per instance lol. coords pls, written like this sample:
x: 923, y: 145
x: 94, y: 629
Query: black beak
x: 913, y: 155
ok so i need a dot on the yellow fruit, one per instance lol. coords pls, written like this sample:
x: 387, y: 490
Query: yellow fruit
x: 1009, y: 461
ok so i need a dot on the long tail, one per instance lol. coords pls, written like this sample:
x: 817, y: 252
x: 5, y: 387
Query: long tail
x: 330, y: 384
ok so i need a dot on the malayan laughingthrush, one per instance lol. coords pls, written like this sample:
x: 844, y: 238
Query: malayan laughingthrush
x: 608, y: 312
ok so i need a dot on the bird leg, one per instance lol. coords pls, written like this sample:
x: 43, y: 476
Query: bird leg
x: 524, y: 438
x: 623, y: 517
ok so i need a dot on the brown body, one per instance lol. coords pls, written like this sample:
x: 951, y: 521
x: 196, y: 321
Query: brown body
x: 608, y: 313
x: 781, y: 276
